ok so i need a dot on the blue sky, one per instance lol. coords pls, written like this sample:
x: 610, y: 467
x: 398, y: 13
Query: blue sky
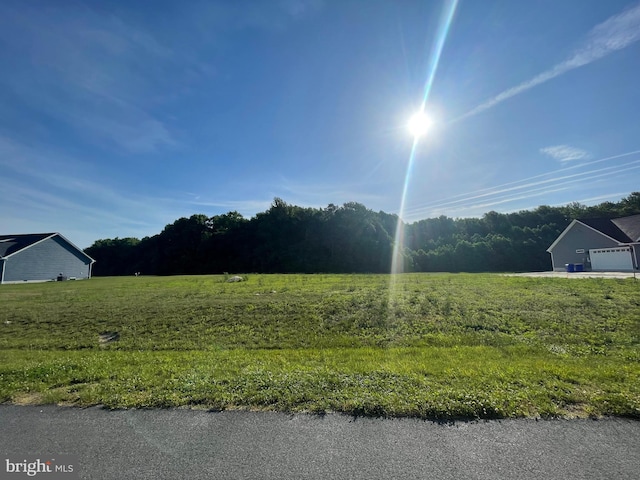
x: 117, y: 118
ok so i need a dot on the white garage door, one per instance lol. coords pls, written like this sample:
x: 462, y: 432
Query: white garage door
x: 611, y: 259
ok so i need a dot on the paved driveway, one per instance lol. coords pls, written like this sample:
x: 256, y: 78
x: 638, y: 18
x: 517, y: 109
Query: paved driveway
x: 184, y: 444
x: 576, y: 274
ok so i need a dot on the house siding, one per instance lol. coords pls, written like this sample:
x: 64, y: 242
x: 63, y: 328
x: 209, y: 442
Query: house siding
x: 45, y: 261
x: 579, y: 237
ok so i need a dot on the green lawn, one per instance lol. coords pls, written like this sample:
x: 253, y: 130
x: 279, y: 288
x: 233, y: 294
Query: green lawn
x: 425, y: 345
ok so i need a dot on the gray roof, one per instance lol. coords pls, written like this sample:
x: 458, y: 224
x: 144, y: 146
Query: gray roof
x: 607, y: 227
x: 630, y: 226
x: 622, y: 230
x: 10, y: 244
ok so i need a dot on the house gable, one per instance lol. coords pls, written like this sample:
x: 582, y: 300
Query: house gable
x: 573, y: 244
x: 578, y: 228
x: 11, y: 244
x: 41, y: 257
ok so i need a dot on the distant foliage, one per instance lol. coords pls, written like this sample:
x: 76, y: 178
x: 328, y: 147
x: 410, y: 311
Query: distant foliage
x: 348, y: 238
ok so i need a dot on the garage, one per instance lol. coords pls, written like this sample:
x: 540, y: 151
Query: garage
x: 600, y: 244
x: 611, y: 259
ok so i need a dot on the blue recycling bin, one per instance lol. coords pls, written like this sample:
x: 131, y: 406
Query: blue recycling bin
x: 579, y: 267
x: 570, y: 267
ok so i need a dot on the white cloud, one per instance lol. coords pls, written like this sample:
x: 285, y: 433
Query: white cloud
x: 613, y: 34
x: 565, y: 153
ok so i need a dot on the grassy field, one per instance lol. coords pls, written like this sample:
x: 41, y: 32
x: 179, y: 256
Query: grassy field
x: 432, y: 346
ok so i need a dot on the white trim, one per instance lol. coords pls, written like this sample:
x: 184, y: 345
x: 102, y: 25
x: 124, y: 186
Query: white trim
x: 598, y: 231
x: 16, y: 282
x: 31, y: 245
x: 634, y: 255
x: 76, y: 247
x: 47, y: 238
x: 566, y: 230
x: 561, y: 236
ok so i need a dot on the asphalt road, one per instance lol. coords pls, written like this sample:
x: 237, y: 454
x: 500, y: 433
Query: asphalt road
x: 183, y: 444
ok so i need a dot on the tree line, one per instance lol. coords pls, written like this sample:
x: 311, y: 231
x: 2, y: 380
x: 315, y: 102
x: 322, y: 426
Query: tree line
x: 347, y: 239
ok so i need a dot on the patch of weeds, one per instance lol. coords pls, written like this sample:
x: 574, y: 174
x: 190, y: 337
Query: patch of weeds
x: 436, y: 346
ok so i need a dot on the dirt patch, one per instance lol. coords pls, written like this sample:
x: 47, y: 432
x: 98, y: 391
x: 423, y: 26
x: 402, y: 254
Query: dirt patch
x: 28, y: 398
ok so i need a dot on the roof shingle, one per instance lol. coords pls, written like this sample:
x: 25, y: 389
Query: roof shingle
x: 10, y: 244
x: 630, y: 226
x: 607, y: 227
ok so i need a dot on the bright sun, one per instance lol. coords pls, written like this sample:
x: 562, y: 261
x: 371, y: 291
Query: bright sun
x: 419, y: 124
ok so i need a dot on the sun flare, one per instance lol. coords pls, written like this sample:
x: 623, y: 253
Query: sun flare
x: 419, y: 124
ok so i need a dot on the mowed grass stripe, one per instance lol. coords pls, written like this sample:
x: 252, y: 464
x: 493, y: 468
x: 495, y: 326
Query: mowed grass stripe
x: 431, y: 346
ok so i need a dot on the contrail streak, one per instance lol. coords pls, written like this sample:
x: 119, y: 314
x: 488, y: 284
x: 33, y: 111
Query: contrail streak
x: 502, y: 196
x: 542, y: 182
x: 613, y: 34
x: 476, y: 193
